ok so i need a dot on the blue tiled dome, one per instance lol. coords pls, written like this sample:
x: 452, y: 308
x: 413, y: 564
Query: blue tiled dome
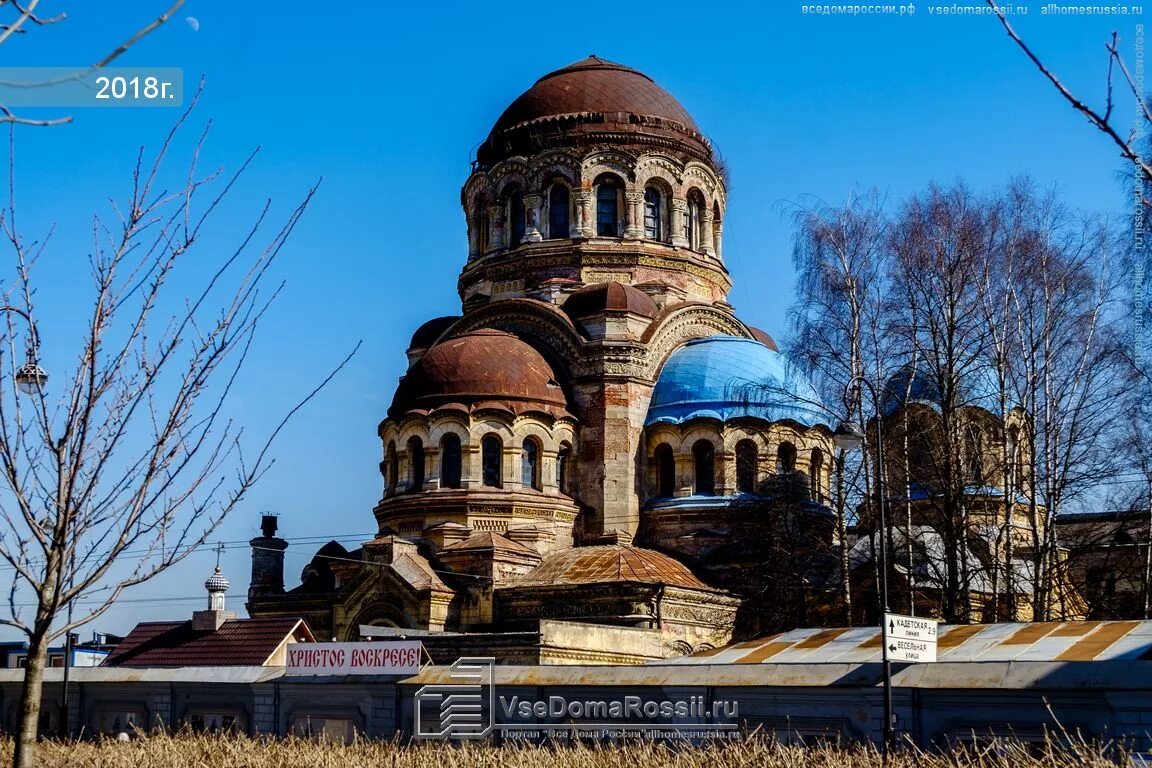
x: 726, y: 377
x: 910, y: 385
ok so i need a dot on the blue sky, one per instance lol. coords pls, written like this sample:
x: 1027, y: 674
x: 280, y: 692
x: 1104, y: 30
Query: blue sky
x: 386, y: 102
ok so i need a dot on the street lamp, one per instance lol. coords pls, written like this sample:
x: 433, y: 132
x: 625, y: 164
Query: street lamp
x: 30, y: 377
x: 849, y: 437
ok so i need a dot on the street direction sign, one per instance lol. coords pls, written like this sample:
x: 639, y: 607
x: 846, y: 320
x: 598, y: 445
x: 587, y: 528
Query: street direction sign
x: 909, y: 639
x: 909, y: 627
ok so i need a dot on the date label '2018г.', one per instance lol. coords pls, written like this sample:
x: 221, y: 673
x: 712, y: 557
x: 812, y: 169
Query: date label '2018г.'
x: 137, y: 88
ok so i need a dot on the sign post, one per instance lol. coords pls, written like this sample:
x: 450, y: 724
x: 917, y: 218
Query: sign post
x: 909, y: 638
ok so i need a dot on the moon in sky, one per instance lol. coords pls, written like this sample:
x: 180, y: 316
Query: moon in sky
x: 194, y: 23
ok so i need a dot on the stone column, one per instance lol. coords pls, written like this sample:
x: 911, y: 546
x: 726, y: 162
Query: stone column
x: 585, y: 222
x: 633, y: 222
x: 685, y: 474
x: 496, y: 224
x: 717, y: 235
x: 473, y: 238
x: 532, y: 213
x: 510, y: 468
x: 706, y: 244
x: 679, y: 208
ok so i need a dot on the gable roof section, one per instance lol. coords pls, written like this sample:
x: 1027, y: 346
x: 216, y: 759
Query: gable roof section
x: 238, y: 642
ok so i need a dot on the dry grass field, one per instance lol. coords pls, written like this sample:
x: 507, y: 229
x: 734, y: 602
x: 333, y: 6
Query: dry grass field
x: 185, y: 751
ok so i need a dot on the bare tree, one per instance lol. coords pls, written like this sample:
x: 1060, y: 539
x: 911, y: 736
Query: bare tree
x: 839, y: 256
x: 1128, y: 142
x: 122, y: 467
x: 20, y: 16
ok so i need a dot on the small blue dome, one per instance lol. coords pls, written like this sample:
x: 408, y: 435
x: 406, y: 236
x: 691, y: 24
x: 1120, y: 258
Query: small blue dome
x: 908, y: 385
x: 726, y: 377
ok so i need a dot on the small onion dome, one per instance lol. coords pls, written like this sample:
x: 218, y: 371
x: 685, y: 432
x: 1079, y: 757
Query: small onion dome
x: 216, y: 582
x: 612, y: 563
x: 727, y: 377
x: 427, y: 334
x: 609, y: 297
x: 486, y: 367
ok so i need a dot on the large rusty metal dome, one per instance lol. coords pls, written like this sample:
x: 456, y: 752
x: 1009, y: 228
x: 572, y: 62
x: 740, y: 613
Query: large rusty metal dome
x: 589, y: 100
x: 481, y: 368
x: 594, y: 86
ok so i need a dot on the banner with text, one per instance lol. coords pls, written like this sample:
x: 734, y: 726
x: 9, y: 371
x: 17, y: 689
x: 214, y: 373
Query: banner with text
x: 398, y: 658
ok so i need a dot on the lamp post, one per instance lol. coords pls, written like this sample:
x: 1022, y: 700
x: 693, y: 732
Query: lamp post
x: 849, y: 437
x: 30, y: 377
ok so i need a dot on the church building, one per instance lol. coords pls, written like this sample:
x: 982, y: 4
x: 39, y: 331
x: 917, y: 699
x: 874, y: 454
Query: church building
x: 570, y: 464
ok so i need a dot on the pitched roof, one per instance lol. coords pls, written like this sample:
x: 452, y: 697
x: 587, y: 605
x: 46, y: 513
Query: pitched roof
x: 489, y: 540
x: 248, y: 642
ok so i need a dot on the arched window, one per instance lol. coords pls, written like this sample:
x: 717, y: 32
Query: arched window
x: 608, y: 209
x: 816, y: 481
x: 530, y: 465
x: 563, y: 456
x: 693, y: 219
x: 517, y: 221
x: 785, y: 458
x: 490, y: 459
x: 746, y: 461
x: 653, y: 214
x: 450, y: 461
x: 392, y: 459
x: 559, y: 210
x: 483, y: 225
x: 704, y: 459
x: 415, y: 464
x: 665, y: 471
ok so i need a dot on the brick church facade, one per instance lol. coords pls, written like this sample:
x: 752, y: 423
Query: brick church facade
x: 581, y: 443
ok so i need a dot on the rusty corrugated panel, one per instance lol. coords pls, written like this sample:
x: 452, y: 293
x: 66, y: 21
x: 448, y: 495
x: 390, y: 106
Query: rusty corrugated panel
x: 1029, y: 633
x: 820, y: 639
x: 1075, y: 628
x: 1096, y: 643
x: 766, y: 651
x: 956, y: 635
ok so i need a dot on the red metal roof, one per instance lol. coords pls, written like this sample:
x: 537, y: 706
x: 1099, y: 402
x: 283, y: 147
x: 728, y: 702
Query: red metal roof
x: 238, y: 642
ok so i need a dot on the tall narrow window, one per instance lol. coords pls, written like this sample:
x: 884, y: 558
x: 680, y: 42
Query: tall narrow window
x: 1015, y: 458
x: 607, y: 209
x: 450, y: 461
x: 817, y: 474
x: 746, y: 460
x: 392, y: 461
x: 483, y: 225
x: 516, y: 218
x: 785, y: 458
x: 490, y: 450
x: 653, y: 210
x: 530, y: 465
x: 665, y: 471
x: 704, y: 459
x: 563, y: 458
x: 692, y: 219
x: 415, y: 464
x: 558, y: 211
